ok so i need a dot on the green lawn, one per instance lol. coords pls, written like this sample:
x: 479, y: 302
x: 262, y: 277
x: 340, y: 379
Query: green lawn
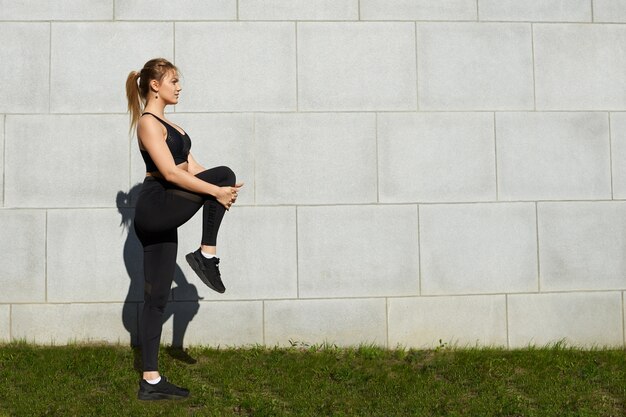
x: 317, y: 381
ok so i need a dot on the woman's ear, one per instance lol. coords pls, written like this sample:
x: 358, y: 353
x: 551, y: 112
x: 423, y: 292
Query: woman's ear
x: 154, y: 85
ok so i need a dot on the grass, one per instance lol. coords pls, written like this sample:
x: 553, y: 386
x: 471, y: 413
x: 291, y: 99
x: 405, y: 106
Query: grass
x: 101, y: 380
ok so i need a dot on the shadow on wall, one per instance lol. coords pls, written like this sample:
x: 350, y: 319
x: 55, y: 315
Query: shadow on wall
x: 184, y: 298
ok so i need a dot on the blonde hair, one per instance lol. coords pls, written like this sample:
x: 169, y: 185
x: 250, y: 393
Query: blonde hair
x: 138, y: 85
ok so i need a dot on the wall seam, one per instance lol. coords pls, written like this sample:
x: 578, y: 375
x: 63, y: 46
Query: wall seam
x: 592, y: 15
x: 263, y: 331
x: 538, y: 251
x: 532, y: 49
x: 45, y: 257
x: 419, y: 253
x: 297, y: 72
x: 506, y: 313
x: 417, y: 84
x: 495, y: 155
x: 297, y: 258
x: 623, y: 322
x: 377, y: 160
x: 477, y: 11
x: 113, y: 18
x: 50, y: 69
x: 359, y: 9
x: 4, y: 157
x: 387, y: 322
x: 254, y: 149
x: 611, y: 155
x: 237, y: 14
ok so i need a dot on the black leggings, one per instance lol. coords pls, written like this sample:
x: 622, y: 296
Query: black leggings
x: 161, y: 208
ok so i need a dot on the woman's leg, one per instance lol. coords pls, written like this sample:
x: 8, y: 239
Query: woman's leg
x: 159, y: 266
x: 213, y: 211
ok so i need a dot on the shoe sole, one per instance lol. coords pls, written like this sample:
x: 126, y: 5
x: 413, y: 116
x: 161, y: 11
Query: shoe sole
x: 158, y: 396
x: 196, y: 268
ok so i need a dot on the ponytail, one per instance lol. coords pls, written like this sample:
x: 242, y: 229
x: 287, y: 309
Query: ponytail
x: 138, y: 85
x: 135, y: 101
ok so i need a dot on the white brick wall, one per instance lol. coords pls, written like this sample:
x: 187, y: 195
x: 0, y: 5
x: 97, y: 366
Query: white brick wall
x: 416, y: 171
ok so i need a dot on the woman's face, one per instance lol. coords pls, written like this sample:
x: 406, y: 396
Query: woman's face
x: 169, y: 88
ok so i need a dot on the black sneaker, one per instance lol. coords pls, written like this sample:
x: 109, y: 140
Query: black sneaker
x: 207, y: 269
x: 164, y: 390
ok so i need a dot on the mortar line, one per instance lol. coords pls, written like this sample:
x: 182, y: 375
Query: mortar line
x: 532, y: 46
x: 495, y: 156
x: 592, y: 15
x: 297, y: 84
x: 359, y: 9
x: 377, y: 160
x: 477, y: 11
x: 611, y: 155
x: 537, y: 240
x: 113, y: 18
x: 237, y: 5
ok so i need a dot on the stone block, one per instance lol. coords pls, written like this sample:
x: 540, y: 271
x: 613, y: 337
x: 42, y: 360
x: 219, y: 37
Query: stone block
x: 478, y: 248
x: 86, y: 256
x: 344, y: 322
x: 246, y: 66
x: 348, y: 251
x: 535, y: 10
x: 91, y: 60
x: 315, y: 158
x: 25, y: 57
x: 73, y: 160
x: 356, y: 66
x: 182, y: 10
x: 428, y: 322
x: 56, y: 10
x: 474, y: 66
x: 618, y: 154
x: 436, y: 157
x: 222, y: 139
x: 609, y: 11
x: 23, y: 262
x: 298, y: 9
x: 579, y: 66
x: 581, y: 245
x: 5, y: 323
x: 418, y: 9
x: 592, y: 319
x: 553, y: 156
x: 257, y: 248
x: 60, y: 324
x: 217, y: 324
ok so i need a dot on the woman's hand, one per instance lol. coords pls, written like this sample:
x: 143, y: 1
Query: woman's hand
x: 227, y: 196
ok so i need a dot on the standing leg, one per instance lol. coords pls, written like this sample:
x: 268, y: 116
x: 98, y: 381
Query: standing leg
x: 159, y: 266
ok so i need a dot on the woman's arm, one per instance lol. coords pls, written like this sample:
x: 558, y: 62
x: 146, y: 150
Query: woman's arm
x: 151, y: 135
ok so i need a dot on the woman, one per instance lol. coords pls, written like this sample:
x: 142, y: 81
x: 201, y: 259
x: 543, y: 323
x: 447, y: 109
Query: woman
x: 174, y: 189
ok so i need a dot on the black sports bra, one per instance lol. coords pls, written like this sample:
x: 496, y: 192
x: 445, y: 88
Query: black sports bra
x: 179, y: 145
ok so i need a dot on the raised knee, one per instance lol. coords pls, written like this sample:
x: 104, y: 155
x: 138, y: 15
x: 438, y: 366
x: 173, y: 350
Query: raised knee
x: 229, y: 176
